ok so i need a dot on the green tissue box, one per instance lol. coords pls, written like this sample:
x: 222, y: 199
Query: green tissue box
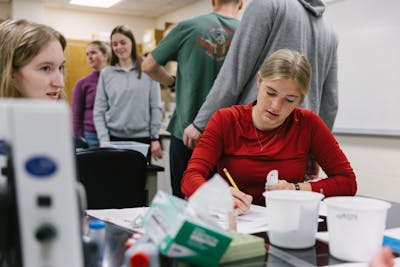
x: 183, y: 236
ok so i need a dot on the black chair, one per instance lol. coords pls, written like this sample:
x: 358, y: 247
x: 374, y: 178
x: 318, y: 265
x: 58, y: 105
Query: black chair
x: 80, y: 142
x: 113, y: 178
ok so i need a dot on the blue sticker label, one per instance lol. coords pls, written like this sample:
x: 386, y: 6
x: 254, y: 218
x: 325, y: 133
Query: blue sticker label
x: 3, y: 149
x: 41, y: 166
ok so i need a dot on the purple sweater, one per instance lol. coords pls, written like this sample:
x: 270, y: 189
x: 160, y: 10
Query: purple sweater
x: 82, y: 103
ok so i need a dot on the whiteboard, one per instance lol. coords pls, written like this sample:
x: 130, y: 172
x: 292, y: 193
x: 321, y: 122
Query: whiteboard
x: 368, y: 65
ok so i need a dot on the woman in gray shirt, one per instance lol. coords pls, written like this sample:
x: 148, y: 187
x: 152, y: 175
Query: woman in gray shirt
x: 128, y: 102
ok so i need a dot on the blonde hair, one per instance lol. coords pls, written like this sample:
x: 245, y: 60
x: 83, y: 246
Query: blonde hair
x: 103, y: 47
x: 288, y: 64
x: 20, y: 42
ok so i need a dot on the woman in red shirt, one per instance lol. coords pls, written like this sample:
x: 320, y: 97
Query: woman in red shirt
x: 271, y: 133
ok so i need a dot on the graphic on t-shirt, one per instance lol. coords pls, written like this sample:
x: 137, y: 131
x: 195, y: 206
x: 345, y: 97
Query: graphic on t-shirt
x: 216, y: 42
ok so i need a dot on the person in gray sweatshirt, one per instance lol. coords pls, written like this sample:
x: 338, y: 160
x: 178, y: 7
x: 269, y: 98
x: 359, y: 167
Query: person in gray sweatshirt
x: 127, y: 106
x: 266, y: 26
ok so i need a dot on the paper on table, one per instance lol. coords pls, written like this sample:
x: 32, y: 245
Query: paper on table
x: 127, y: 218
x: 253, y: 221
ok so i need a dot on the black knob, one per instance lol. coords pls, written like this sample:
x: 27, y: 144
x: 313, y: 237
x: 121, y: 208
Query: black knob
x: 45, y: 232
x: 4, y: 171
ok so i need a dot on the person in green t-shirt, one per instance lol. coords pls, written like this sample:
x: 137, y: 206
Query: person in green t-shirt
x: 199, y: 45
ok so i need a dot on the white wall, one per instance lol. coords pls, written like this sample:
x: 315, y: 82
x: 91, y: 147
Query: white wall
x: 81, y: 25
x: 30, y: 10
x: 368, y: 58
x: 198, y: 8
x: 75, y: 24
x: 376, y: 162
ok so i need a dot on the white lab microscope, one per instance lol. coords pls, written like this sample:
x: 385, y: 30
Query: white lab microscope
x: 40, y: 214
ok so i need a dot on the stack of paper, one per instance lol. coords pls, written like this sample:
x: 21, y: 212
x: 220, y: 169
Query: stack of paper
x: 130, y: 218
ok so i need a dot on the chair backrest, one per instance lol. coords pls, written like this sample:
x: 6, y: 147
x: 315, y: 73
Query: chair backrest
x: 113, y: 178
x: 80, y: 142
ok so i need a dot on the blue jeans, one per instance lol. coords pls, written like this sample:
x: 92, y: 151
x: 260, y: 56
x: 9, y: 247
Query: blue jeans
x: 91, y: 139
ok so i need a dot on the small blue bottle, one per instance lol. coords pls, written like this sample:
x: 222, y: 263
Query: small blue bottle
x: 97, y: 234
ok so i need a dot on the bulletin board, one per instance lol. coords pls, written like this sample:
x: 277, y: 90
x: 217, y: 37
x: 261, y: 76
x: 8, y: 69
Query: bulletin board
x: 368, y: 64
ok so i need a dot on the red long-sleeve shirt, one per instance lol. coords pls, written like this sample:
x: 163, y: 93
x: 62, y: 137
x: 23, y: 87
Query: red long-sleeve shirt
x: 230, y: 141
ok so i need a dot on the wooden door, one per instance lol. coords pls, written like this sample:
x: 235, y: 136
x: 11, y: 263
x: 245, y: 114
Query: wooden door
x: 76, y: 65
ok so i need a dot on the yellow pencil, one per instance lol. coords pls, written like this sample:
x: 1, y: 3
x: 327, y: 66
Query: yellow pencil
x: 230, y: 179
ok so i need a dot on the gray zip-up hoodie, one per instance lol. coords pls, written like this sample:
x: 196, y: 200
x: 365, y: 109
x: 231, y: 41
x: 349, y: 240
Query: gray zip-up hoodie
x: 266, y: 26
x: 125, y: 106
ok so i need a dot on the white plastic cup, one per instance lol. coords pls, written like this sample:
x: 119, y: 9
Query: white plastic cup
x: 292, y: 218
x: 356, y: 226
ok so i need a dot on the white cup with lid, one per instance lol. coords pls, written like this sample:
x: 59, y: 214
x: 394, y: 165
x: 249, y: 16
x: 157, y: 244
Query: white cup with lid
x: 356, y: 226
x: 292, y: 218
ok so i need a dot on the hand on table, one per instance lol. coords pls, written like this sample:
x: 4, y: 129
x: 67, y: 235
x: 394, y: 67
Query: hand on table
x: 383, y: 258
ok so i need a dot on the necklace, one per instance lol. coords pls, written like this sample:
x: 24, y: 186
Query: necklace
x: 258, y: 139
x: 255, y: 129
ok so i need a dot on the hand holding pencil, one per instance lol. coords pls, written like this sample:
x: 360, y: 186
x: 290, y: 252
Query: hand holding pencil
x: 241, y: 199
